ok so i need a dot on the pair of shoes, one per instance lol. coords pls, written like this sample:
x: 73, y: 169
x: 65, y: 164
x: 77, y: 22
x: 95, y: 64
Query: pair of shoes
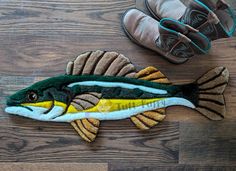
x: 179, y: 31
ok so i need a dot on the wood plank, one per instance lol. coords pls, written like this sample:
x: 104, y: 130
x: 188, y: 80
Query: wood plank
x: 211, y: 143
x: 54, y: 166
x: 91, y: 17
x: 25, y: 140
x: 157, y: 167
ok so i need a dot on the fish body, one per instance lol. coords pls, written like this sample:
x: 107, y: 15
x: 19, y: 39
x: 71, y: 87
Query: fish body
x: 120, y: 94
x: 101, y: 86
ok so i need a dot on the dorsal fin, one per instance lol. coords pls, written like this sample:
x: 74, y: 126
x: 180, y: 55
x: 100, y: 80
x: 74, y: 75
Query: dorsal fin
x: 101, y: 63
x: 149, y: 119
x: 152, y: 74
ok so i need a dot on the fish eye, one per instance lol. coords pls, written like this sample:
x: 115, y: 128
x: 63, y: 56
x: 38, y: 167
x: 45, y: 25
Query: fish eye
x: 32, y: 96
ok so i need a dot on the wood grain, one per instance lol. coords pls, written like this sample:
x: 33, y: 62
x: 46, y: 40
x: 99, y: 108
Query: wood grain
x: 211, y: 142
x: 38, y: 38
x: 28, y: 141
x: 54, y: 167
x: 156, y: 167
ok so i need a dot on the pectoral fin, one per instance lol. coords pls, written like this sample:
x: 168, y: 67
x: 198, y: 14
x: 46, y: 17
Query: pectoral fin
x: 86, y: 128
x: 147, y: 120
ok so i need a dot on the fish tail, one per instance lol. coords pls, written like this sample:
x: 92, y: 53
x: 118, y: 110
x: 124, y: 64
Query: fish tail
x: 210, y: 88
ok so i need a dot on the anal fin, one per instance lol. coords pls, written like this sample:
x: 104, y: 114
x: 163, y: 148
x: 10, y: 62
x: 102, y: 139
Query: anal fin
x: 87, y: 128
x: 149, y: 119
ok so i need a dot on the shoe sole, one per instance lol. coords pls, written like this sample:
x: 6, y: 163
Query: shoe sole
x: 135, y: 41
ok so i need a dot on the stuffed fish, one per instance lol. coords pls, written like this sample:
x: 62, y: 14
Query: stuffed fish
x: 102, y: 85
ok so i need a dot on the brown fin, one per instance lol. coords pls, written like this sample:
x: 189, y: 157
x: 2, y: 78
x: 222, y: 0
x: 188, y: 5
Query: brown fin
x: 86, y: 101
x: 101, y: 63
x: 211, y: 87
x: 152, y: 74
x: 87, y: 128
x: 149, y: 119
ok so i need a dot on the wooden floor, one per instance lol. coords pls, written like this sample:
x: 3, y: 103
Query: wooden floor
x: 38, y: 38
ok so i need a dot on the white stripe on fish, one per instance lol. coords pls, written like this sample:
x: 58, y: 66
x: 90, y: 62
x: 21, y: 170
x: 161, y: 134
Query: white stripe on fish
x: 119, y: 84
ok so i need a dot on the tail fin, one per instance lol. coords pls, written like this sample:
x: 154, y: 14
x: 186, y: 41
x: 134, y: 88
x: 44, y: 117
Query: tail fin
x: 211, y: 86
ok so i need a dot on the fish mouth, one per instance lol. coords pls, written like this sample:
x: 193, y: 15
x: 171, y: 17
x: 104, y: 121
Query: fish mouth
x: 26, y: 108
x: 12, y: 103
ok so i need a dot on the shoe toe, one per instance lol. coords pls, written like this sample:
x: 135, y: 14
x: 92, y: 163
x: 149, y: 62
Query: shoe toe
x: 131, y: 19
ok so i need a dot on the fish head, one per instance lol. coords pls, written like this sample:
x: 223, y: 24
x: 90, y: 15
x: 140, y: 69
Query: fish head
x: 36, y: 102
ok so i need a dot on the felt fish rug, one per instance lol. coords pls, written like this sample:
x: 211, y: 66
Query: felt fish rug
x: 102, y: 85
